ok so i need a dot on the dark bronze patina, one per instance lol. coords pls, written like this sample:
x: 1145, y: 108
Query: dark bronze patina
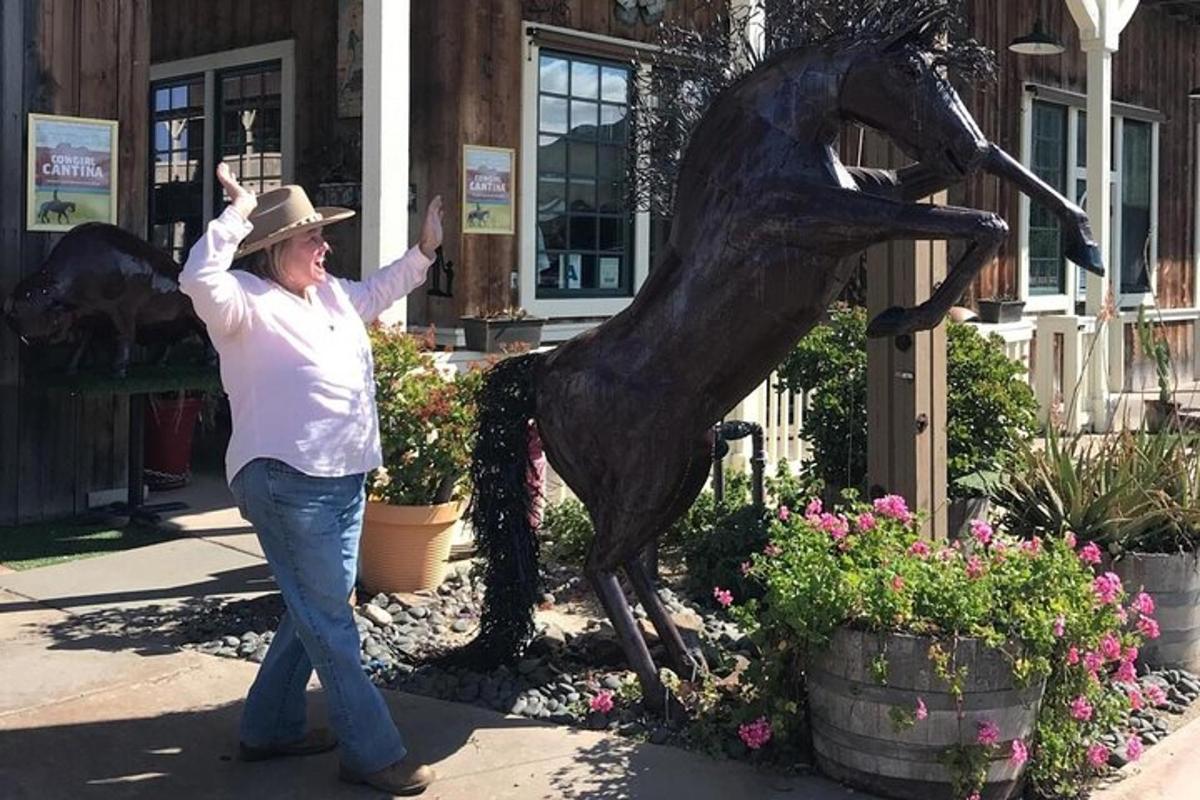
x: 768, y: 226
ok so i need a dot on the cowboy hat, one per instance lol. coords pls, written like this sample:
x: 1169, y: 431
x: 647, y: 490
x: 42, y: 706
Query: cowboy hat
x: 283, y: 213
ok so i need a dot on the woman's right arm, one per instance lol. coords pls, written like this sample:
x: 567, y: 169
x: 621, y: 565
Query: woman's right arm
x: 219, y: 300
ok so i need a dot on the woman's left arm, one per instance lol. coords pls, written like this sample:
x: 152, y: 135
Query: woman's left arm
x: 371, y: 297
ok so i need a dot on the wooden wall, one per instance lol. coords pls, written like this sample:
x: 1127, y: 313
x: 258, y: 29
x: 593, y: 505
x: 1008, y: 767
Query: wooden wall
x: 184, y: 30
x: 1158, y: 62
x: 82, y: 58
x: 466, y: 75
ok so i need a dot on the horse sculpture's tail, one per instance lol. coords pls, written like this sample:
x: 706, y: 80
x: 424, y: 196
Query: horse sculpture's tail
x: 500, y: 509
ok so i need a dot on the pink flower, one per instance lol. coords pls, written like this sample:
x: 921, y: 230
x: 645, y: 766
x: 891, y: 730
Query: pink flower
x: 723, y: 596
x: 1032, y: 546
x: 1133, y: 747
x: 1155, y: 694
x: 1060, y: 626
x: 988, y: 733
x: 1073, y: 655
x: 1089, y: 553
x: 602, y: 702
x: 772, y: 550
x: 813, y: 508
x: 1110, y: 647
x: 1122, y: 616
x: 1020, y: 753
x: 946, y: 553
x: 1126, y: 673
x: 919, y: 548
x: 897, y: 583
x: 1143, y: 604
x: 974, y: 567
x: 746, y: 567
x: 836, y: 526
x: 755, y: 734
x: 1081, y: 709
x: 1136, y: 701
x: 1131, y: 655
x: 1093, y: 661
x: 893, y: 506
x: 1107, y: 587
x: 973, y: 796
x: 981, y: 531
x: 785, y: 513
x: 1148, y: 627
x: 1097, y: 755
x: 921, y: 712
x: 1070, y: 539
x: 866, y: 521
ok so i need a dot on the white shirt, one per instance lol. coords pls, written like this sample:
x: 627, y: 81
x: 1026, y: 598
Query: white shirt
x: 298, y: 370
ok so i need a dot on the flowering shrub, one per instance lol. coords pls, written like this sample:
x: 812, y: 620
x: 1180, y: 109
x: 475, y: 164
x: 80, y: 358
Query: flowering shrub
x: 1037, y: 600
x: 426, y: 421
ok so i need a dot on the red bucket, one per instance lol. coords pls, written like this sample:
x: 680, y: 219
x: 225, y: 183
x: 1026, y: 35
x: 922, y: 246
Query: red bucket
x: 170, y: 425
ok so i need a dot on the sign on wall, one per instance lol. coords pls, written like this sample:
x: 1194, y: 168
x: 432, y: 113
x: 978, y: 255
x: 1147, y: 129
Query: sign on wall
x: 488, y: 198
x: 72, y: 172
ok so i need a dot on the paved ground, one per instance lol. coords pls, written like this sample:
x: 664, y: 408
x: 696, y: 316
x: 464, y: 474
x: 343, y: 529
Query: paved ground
x: 94, y: 703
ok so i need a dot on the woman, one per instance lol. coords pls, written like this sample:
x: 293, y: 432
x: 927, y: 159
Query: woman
x: 296, y: 364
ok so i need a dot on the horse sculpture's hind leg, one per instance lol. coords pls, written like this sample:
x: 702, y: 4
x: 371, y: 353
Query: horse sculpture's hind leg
x: 685, y: 664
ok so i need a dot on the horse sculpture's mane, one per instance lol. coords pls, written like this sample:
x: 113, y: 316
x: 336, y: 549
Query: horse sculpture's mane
x: 692, y: 67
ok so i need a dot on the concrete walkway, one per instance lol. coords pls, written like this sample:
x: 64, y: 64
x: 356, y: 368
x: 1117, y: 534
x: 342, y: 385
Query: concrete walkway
x: 96, y: 702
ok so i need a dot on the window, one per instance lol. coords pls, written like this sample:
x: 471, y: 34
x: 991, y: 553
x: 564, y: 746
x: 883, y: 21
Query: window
x: 1057, y: 137
x: 234, y: 106
x: 177, y: 182
x: 584, y: 229
x: 1049, y: 162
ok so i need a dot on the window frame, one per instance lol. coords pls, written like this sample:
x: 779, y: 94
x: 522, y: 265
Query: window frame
x: 209, y: 65
x: 558, y: 307
x: 1065, y: 302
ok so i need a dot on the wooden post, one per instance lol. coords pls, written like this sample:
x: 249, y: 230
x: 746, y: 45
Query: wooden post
x: 906, y: 376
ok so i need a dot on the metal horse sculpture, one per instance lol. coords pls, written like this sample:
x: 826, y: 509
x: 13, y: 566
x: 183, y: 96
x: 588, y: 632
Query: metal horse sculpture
x: 766, y: 224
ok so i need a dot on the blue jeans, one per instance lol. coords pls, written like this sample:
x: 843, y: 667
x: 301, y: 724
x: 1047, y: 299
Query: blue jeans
x: 309, y: 529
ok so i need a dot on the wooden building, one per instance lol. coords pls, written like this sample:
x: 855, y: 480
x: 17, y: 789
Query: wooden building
x: 369, y: 103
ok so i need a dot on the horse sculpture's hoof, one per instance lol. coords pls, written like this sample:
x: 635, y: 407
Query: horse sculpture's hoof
x: 890, y: 322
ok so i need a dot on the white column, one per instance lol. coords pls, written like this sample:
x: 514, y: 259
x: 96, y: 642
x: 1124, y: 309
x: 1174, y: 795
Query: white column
x: 385, y: 121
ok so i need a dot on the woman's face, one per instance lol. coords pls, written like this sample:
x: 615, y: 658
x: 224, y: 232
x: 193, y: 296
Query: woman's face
x: 303, y: 260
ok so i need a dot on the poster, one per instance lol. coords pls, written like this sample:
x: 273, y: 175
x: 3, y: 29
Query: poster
x: 72, y: 172
x: 574, y: 276
x: 610, y: 272
x: 488, y: 197
x: 350, y: 58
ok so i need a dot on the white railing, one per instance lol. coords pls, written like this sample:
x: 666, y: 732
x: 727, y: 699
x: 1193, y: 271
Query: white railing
x: 1066, y: 363
x: 1018, y: 340
x: 781, y: 416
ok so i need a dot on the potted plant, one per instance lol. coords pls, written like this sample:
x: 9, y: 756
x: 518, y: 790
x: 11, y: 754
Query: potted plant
x: 426, y: 426
x: 1134, y: 499
x: 1163, y: 410
x: 939, y: 672
x: 500, y: 331
x: 1001, y: 308
x: 990, y: 409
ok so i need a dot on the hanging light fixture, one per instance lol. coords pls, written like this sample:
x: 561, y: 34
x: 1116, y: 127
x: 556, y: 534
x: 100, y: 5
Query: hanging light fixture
x: 1037, y: 42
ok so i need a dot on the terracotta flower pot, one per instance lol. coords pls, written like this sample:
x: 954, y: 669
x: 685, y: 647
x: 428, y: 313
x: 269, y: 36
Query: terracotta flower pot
x: 406, y: 548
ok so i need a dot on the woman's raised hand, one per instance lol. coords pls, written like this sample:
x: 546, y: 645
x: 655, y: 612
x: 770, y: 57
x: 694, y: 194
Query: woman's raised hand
x: 240, y: 197
x: 431, y: 230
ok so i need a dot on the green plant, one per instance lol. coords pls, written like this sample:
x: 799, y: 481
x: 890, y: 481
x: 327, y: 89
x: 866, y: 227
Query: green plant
x: 990, y: 409
x: 426, y: 421
x: 1159, y: 352
x: 1038, y: 601
x: 1137, y: 491
x: 566, y: 532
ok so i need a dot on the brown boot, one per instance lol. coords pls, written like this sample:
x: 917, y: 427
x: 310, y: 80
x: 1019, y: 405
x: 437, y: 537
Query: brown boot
x: 405, y: 777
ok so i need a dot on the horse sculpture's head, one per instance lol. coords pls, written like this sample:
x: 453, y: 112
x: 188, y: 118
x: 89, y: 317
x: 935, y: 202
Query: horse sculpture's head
x: 899, y: 86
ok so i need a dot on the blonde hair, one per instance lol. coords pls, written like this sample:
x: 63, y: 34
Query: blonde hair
x: 268, y: 263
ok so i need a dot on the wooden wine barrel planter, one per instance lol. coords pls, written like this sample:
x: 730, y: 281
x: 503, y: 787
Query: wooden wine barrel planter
x: 853, y: 735
x: 1173, y: 580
